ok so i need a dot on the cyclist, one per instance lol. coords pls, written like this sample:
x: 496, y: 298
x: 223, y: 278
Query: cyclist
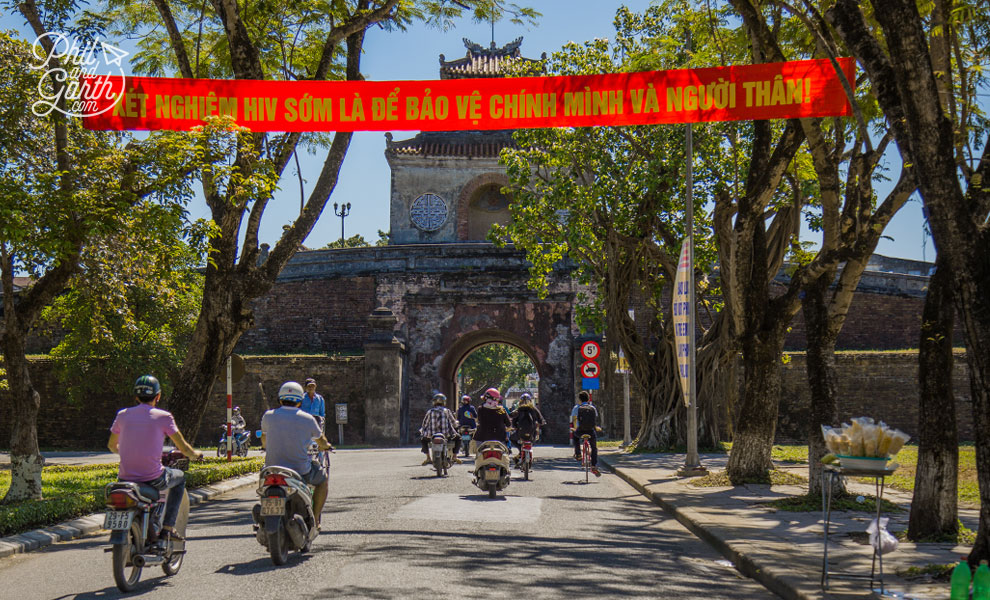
x: 492, y: 418
x: 313, y: 403
x: 138, y: 436
x: 526, y: 420
x: 286, y: 433
x: 584, y: 421
x: 439, y: 419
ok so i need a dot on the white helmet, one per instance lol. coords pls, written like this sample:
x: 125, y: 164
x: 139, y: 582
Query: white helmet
x: 290, y: 392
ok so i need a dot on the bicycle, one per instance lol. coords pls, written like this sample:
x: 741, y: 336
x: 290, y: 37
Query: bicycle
x: 586, y: 455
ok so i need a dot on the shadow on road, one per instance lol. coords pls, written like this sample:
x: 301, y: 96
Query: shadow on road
x: 262, y: 564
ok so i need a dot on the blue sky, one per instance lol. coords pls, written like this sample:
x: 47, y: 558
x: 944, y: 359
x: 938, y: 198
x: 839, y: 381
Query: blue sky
x: 414, y: 54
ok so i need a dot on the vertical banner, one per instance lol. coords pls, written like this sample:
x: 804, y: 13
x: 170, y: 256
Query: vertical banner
x: 682, y: 311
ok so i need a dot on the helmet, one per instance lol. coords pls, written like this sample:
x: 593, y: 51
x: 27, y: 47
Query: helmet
x: 493, y: 393
x: 290, y: 392
x: 439, y: 399
x: 465, y: 398
x: 237, y: 409
x: 525, y: 399
x: 147, y: 387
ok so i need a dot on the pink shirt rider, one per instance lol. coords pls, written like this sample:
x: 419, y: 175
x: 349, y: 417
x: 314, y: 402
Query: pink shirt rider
x: 142, y: 430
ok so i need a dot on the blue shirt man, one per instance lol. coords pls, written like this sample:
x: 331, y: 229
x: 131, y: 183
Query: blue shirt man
x: 313, y: 403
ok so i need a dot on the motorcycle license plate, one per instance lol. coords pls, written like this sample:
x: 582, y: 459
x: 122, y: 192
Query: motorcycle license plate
x: 118, y: 519
x: 272, y: 507
x: 491, y: 474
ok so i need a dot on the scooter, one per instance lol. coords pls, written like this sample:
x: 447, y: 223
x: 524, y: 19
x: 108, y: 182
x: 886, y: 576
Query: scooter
x: 283, y: 518
x: 467, y: 440
x: 440, y: 455
x: 134, y: 517
x: 242, y: 442
x: 491, y: 467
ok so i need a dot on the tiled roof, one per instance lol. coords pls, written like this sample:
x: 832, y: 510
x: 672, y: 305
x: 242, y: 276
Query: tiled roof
x: 468, y: 144
x: 481, y: 61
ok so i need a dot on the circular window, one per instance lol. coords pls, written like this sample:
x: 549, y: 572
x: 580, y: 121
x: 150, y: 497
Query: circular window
x: 428, y: 212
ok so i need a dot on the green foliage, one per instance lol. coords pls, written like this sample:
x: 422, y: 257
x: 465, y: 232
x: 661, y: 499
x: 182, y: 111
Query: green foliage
x: 496, y: 365
x: 355, y: 241
x: 74, y: 491
x: 774, y: 477
x: 847, y: 502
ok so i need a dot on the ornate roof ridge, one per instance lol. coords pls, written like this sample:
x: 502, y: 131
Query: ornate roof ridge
x: 483, y: 62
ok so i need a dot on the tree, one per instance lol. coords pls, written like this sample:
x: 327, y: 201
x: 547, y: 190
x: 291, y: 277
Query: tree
x: 132, y: 306
x: 846, y: 212
x: 60, y: 187
x: 496, y: 365
x: 262, y: 40
x: 610, y: 199
x: 358, y: 241
x: 945, y: 141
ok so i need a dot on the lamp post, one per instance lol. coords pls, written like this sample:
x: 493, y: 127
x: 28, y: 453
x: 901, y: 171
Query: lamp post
x: 342, y: 210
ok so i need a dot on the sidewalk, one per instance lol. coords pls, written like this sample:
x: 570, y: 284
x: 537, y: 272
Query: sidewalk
x: 783, y: 550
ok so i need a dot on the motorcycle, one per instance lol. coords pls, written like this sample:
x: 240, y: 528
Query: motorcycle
x: 283, y: 518
x: 467, y: 440
x: 134, y: 517
x: 440, y: 454
x: 525, y: 460
x: 242, y: 442
x: 491, y: 470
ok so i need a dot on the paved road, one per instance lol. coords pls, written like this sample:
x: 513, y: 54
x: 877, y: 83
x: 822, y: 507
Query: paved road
x: 391, y: 530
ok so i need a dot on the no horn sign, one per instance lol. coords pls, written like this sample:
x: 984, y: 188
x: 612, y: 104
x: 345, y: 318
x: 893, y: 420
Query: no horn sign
x: 590, y: 370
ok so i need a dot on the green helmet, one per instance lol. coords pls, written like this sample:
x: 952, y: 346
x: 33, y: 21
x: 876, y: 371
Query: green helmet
x: 147, y: 387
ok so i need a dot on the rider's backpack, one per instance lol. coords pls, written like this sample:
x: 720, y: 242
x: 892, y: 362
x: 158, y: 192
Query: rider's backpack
x: 525, y: 421
x: 586, y: 418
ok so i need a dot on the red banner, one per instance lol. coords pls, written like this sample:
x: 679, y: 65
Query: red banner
x: 807, y: 88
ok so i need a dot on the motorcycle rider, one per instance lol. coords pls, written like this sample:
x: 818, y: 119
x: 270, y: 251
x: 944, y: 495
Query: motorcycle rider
x: 138, y: 436
x: 584, y: 420
x: 286, y: 433
x: 467, y: 415
x: 237, y: 422
x: 439, y: 419
x: 526, y: 420
x: 313, y: 403
x: 492, y: 418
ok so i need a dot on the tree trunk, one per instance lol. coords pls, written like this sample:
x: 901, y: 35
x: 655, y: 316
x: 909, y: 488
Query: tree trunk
x: 933, y: 506
x: 25, y: 457
x: 223, y: 318
x: 824, y: 409
x: 750, y: 457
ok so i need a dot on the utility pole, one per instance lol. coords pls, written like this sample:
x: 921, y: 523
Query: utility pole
x: 342, y: 211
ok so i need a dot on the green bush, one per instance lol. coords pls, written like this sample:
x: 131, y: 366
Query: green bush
x: 74, y: 491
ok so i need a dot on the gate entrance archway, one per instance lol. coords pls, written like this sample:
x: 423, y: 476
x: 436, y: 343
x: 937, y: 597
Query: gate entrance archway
x: 454, y: 358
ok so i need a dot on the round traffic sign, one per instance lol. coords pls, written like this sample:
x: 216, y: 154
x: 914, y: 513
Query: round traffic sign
x: 590, y: 369
x: 590, y: 350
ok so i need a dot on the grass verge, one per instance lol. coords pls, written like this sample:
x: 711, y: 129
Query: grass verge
x: 74, y: 491
x: 721, y: 479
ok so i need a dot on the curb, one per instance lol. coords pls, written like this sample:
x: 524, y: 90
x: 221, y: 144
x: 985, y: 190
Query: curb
x: 76, y: 528
x: 769, y: 576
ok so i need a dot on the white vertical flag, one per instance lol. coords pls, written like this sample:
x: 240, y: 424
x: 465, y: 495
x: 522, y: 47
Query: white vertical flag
x: 682, y: 312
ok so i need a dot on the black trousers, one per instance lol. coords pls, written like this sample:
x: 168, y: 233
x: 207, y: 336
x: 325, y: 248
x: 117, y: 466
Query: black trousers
x: 429, y: 440
x: 594, y: 446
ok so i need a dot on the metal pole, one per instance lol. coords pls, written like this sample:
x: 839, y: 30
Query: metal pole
x: 340, y: 434
x: 626, y: 425
x: 230, y: 414
x: 691, y: 461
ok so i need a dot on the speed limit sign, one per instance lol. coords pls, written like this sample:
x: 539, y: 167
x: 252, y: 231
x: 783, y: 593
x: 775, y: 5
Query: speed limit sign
x: 590, y: 350
x: 590, y: 370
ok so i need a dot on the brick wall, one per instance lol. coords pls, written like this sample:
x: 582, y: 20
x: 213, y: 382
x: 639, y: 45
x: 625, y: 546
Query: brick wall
x: 63, y: 425
x: 318, y: 315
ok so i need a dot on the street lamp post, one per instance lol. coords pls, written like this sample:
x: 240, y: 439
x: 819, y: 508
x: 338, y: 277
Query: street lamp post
x: 342, y: 211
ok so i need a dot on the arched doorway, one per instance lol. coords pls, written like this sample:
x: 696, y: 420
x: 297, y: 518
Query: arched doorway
x: 488, y: 206
x: 467, y: 344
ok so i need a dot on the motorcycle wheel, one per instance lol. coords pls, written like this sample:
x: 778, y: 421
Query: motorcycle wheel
x: 126, y: 581
x: 525, y: 466
x: 242, y: 450
x: 221, y: 452
x: 278, y: 547
x: 491, y: 490
x: 438, y: 465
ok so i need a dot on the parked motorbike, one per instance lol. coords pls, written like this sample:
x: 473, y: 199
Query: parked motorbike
x: 467, y: 440
x: 441, y: 454
x: 283, y: 518
x: 491, y: 467
x: 242, y: 442
x: 134, y: 517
